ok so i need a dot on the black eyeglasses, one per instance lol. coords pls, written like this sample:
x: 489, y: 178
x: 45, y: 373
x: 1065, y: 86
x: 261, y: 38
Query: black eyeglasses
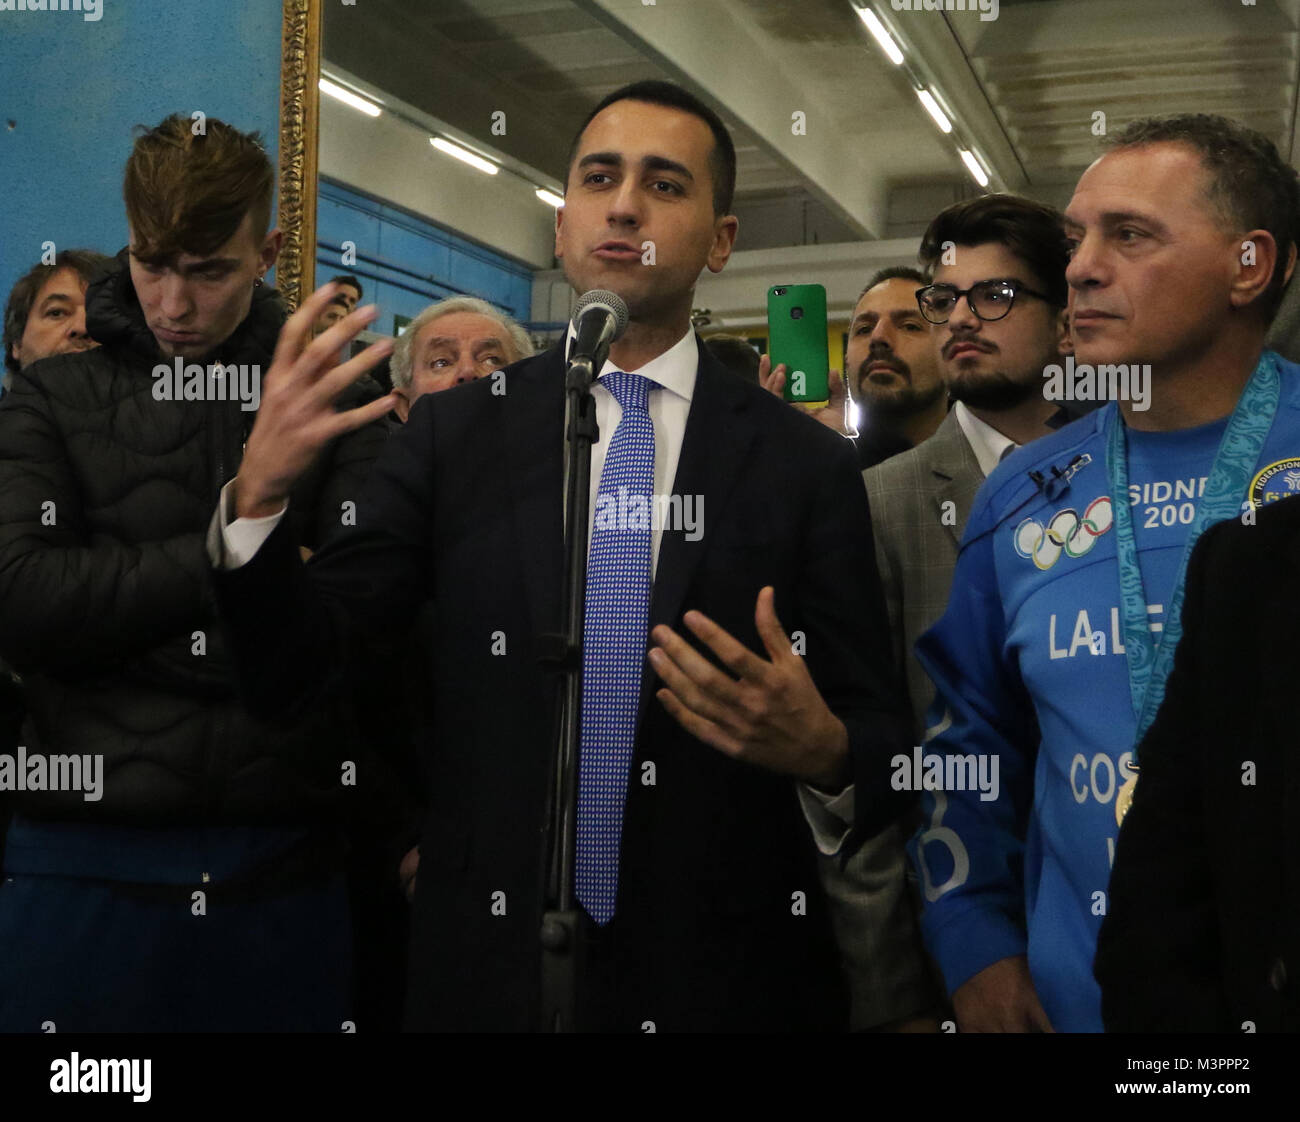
x: 989, y: 300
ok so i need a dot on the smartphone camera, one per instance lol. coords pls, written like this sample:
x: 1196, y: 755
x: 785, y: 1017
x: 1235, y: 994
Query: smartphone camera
x: 779, y: 291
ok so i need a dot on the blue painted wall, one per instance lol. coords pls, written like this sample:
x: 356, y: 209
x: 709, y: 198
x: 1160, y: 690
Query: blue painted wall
x: 74, y: 89
x: 407, y: 263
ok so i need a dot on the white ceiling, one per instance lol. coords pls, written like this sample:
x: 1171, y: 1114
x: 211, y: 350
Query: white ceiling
x: 1023, y: 89
x: 1047, y: 66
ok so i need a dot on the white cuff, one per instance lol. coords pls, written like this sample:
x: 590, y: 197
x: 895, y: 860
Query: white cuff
x: 233, y: 542
x: 830, y: 817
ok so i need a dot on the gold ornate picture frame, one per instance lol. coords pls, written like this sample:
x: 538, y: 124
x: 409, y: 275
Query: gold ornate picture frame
x: 299, y: 132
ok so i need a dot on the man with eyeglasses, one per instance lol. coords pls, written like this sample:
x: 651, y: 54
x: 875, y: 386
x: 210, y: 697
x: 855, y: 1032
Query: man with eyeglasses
x: 998, y: 309
x: 1051, y: 657
x: 991, y: 332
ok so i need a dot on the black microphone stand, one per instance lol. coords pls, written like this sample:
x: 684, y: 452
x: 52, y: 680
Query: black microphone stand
x: 561, y: 934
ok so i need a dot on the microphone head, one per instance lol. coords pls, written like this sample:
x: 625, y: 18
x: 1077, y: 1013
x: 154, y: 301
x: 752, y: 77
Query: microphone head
x: 600, y: 297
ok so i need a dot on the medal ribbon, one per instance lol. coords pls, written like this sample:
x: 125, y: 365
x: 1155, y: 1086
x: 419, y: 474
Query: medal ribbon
x: 1149, y: 661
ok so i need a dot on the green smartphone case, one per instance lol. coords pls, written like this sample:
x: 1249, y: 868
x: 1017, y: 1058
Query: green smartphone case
x: 796, y: 329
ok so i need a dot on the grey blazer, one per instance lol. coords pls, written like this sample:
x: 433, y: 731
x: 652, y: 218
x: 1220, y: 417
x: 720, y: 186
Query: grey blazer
x: 917, y: 534
x: 872, y: 909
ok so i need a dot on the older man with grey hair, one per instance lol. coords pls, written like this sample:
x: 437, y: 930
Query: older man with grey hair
x: 453, y: 341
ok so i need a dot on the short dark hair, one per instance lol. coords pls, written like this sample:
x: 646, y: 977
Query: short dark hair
x: 1250, y: 184
x: 894, y: 272
x: 735, y: 354
x: 1032, y: 231
x: 89, y: 266
x: 188, y: 192
x: 348, y: 278
x: 722, y: 160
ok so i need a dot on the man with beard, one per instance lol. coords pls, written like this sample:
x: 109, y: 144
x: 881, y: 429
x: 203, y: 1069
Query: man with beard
x: 997, y: 306
x: 893, y: 371
x: 920, y: 500
x: 893, y: 366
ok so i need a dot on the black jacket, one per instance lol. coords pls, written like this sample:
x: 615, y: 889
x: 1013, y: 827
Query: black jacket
x: 1203, y: 926
x: 105, y: 599
x: 876, y: 446
x: 720, y: 923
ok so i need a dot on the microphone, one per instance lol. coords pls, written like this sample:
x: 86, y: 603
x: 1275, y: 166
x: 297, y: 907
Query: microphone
x: 1051, y: 486
x: 599, y: 317
x: 1059, y: 482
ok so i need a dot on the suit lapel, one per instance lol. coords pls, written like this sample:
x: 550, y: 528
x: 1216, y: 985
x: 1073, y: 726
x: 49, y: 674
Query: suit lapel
x: 718, y: 435
x: 534, y: 440
x: 957, y: 473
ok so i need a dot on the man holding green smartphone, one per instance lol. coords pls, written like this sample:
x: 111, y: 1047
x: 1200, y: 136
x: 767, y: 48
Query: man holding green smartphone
x: 894, y: 371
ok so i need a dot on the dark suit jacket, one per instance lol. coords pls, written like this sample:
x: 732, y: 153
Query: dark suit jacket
x: 465, y: 507
x: 1203, y: 926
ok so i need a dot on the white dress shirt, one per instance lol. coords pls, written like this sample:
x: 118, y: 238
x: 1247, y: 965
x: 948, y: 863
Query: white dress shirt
x: 985, y: 441
x: 675, y: 371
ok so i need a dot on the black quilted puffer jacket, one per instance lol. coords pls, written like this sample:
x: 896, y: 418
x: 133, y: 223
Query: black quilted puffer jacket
x: 105, y: 497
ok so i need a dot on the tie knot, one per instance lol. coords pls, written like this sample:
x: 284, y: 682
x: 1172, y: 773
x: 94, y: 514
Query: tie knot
x: 631, y: 391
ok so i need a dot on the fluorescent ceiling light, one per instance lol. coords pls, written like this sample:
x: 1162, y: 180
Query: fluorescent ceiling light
x: 463, y: 154
x: 549, y: 197
x: 973, y: 166
x: 349, y: 98
x: 881, y: 36
x: 932, y: 107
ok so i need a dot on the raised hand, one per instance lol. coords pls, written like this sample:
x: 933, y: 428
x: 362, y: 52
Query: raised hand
x: 297, y: 417
x: 834, y: 414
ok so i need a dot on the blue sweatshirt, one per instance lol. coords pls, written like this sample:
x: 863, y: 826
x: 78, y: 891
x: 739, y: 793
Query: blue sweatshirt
x: 1029, y: 665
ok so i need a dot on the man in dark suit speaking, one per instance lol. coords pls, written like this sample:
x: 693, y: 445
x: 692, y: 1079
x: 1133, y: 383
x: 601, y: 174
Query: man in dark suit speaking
x: 699, y: 809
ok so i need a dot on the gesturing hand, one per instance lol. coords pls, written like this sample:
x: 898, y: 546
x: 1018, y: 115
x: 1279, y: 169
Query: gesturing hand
x: 297, y: 416
x: 771, y: 714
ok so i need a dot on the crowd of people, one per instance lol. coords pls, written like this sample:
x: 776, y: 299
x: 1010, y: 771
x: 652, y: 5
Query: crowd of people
x: 973, y: 715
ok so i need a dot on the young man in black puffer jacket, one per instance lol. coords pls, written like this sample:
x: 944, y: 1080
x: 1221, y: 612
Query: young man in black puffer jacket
x: 192, y: 877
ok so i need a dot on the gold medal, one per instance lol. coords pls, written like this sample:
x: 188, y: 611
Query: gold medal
x: 1124, y: 799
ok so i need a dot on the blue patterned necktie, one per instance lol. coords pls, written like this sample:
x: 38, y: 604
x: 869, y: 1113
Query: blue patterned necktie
x: 614, y: 641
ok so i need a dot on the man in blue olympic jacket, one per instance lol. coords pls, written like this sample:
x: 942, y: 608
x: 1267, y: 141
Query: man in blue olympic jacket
x: 1051, y: 656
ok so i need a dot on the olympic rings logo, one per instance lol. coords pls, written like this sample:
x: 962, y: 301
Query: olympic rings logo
x: 1066, y: 533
